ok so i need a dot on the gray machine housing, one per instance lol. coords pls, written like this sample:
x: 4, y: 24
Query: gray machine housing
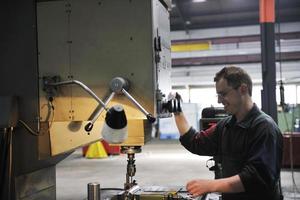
x: 93, y: 41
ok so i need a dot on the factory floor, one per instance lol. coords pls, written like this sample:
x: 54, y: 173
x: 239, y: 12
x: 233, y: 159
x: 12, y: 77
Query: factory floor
x: 161, y: 163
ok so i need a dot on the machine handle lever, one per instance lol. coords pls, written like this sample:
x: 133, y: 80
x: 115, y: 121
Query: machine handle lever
x: 88, y: 127
x: 150, y: 118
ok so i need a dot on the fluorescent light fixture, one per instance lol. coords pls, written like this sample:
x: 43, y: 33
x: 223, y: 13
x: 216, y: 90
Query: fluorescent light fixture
x: 198, y: 1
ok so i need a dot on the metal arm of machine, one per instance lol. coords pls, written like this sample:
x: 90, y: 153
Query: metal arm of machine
x: 83, y: 86
x: 90, y: 125
x: 50, y: 82
x: 117, y: 85
x: 148, y: 115
x: 120, y: 86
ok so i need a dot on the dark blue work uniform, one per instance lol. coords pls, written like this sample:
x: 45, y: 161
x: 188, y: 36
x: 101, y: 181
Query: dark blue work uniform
x: 251, y: 149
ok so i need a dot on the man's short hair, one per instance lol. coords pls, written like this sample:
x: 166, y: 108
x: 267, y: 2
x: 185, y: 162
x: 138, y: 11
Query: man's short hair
x: 235, y: 76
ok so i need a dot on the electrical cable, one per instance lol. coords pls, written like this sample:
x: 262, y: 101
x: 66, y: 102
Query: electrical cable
x: 6, y: 156
x: 38, y: 132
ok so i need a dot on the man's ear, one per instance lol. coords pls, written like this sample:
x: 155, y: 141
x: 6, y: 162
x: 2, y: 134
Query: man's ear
x: 244, y: 88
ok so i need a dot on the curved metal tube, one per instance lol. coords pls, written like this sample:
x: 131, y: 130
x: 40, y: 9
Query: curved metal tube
x: 83, y: 86
x: 89, y: 126
x: 120, y: 85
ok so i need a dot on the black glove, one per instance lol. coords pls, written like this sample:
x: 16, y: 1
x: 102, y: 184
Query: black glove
x: 174, y: 103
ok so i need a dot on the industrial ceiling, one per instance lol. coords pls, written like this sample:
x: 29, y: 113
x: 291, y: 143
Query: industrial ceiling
x: 201, y: 14
x: 189, y: 16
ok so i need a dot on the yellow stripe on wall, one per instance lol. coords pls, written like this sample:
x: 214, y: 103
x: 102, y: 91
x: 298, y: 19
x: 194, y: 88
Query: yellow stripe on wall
x: 190, y: 47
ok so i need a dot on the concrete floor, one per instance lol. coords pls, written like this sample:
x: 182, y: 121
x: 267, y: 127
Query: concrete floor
x: 161, y: 163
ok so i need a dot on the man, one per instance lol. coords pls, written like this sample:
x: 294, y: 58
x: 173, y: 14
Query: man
x: 248, y: 143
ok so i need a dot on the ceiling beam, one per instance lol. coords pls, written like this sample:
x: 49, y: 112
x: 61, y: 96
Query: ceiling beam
x: 232, y: 59
x: 237, y: 39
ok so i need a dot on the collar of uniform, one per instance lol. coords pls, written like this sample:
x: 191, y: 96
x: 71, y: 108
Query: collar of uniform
x: 246, y: 122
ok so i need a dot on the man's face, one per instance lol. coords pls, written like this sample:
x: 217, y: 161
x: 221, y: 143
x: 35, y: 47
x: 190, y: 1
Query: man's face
x: 228, y: 96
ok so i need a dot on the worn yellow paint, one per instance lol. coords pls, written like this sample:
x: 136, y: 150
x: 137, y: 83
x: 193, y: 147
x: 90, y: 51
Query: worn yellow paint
x: 64, y: 136
x: 190, y: 47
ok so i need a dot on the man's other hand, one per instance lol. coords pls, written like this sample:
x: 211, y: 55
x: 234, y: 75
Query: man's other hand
x: 174, y: 103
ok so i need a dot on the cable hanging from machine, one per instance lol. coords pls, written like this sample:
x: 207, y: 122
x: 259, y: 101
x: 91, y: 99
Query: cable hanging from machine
x: 38, y: 131
x: 281, y: 87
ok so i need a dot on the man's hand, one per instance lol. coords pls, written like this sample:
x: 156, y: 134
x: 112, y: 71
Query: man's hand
x: 174, y: 103
x: 231, y: 184
x: 199, y: 187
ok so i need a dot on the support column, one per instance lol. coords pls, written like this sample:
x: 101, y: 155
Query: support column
x: 267, y: 19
